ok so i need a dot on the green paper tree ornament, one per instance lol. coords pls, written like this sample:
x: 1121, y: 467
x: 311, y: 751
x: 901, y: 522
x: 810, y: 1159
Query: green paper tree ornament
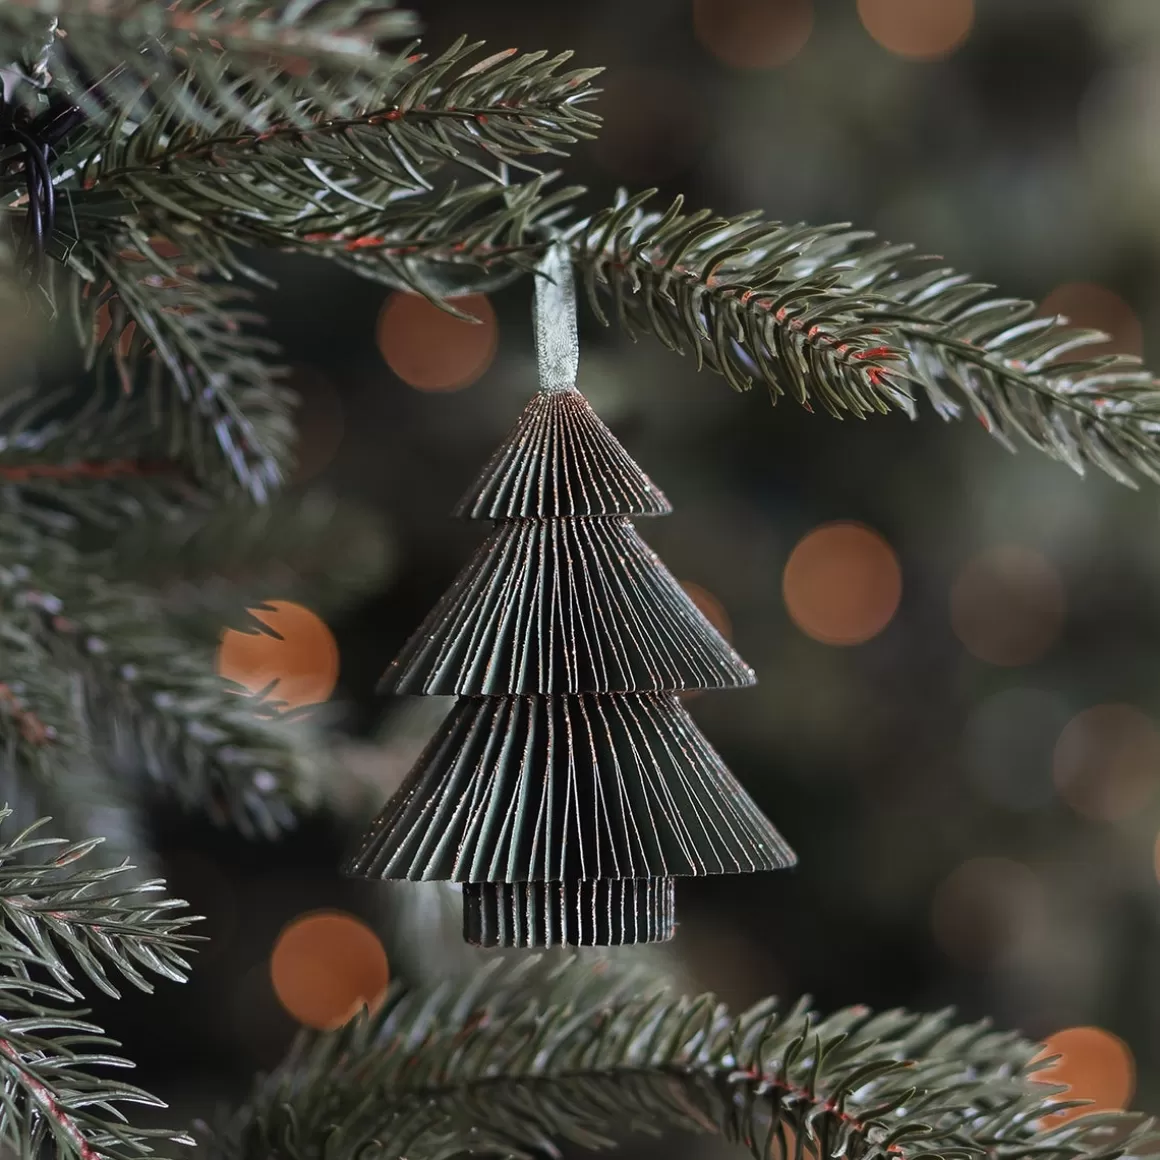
x: 568, y: 787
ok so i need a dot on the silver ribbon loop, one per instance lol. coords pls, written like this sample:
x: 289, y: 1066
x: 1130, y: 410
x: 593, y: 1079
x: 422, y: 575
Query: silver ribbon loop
x: 554, y: 320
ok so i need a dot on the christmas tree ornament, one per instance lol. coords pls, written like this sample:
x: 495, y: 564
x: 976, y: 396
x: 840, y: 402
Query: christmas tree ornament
x: 569, y: 787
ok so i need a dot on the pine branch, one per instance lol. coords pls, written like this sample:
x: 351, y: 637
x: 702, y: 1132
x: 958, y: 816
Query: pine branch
x: 346, y: 187
x: 470, y: 240
x: 205, y: 63
x: 77, y: 781
x: 515, y: 1064
x: 176, y: 338
x: 826, y: 313
x: 91, y: 458
x: 153, y: 693
x: 1023, y: 376
x: 725, y: 289
x: 185, y: 400
x: 53, y: 916
x: 208, y: 568
x: 507, y: 106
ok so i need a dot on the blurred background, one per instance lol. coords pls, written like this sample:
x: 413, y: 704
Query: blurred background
x: 957, y: 724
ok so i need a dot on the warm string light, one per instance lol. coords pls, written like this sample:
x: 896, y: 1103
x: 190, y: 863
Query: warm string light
x: 918, y: 29
x: 710, y: 607
x: 432, y: 350
x: 290, y: 657
x: 326, y: 966
x: 842, y: 584
x: 714, y: 612
x: 654, y: 125
x: 1007, y: 605
x: 1106, y: 762
x: 1095, y: 1065
x: 753, y: 34
x: 1093, y: 307
x: 981, y: 908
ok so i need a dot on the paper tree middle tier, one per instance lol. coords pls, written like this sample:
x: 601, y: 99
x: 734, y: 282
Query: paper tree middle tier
x: 565, y: 606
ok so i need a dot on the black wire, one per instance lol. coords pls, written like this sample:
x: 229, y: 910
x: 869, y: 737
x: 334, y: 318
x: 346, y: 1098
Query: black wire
x: 40, y: 217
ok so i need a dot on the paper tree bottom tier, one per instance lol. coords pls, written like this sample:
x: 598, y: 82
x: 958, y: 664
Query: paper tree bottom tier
x: 569, y: 789
x: 598, y: 912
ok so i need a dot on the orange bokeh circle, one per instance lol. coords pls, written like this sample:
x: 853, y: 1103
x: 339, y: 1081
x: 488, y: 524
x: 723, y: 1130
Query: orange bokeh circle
x: 1106, y: 762
x: 918, y: 29
x: 327, y: 965
x: 295, y: 653
x: 1095, y: 1065
x: 748, y: 34
x: 432, y: 350
x: 1093, y: 307
x: 842, y: 584
x: 1007, y: 605
x: 710, y: 607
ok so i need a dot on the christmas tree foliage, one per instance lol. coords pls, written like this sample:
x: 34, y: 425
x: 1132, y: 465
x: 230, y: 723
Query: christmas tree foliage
x: 146, y: 149
x: 569, y: 786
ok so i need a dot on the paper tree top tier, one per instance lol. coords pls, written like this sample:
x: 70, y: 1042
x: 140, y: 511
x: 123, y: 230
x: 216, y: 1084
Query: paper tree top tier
x: 561, y: 462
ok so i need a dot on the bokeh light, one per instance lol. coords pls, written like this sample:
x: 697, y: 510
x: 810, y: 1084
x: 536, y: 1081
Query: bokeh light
x: 1095, y: 1065
x: 327, y: 965
x: 319, y: 419
x: 753, y: 33
x: 711, y: 608
x: 1007, y: 747
x: 918, y: 29
x: 842, y: 583
x: 1007, y: 605
x: 1086, y: 305
x: 432, y: 350
x: 654, y: 126
x: 981, y: 908
x: 1106, y: 762
x: 291, y: 655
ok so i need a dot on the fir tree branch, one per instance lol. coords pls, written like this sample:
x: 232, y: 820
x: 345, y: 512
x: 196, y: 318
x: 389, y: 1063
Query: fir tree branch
x: 721, y: 288
x: 93, y: 457
x: 826, y: 313
x: 342, y: 186
x: 205, y: 63
x: 53, y: 913
x: 186, y: 397
x: 507, y: 106
x: 518, y: 1068
x: 207, y: 568
x: 154, y: 693
x: 171, y: 333
x: 82, y: 918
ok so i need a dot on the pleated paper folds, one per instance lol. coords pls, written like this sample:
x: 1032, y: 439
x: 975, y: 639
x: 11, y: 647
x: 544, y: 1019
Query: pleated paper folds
x: 565, y: 606
x: 561, y: 462
x: 545, y: 789
x: 569, y: 787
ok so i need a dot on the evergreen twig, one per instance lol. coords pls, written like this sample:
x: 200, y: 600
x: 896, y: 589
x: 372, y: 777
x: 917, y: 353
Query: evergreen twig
x: 153, y: 693
x: 522, y: 1059
x: 204, y: 63
x: 56, y: 917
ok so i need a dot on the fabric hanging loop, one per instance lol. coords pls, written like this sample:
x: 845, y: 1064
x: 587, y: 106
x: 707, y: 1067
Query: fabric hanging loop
x: 554, y: 321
